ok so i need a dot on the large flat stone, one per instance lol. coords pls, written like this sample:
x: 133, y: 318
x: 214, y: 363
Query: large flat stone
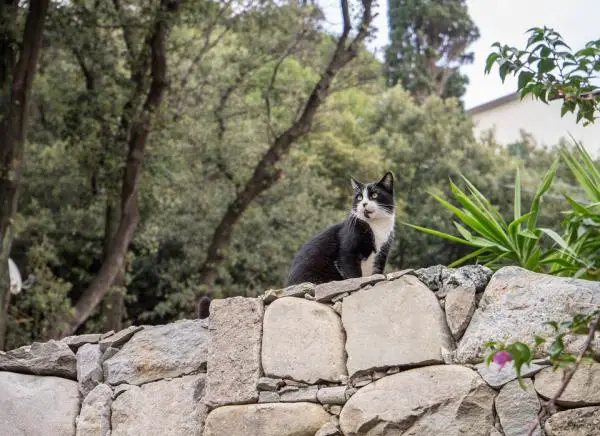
x: 440, y: 278
x: 159, y: 352
x: 397, y: 323
x: 497, y: 377
x: 304, y: 341
x: 276, y: 419
x: 32, y: 405
x: 94, y: 418
x: 325, y: 292
x: 41, y: 358
x: 234, y: 354
x: 515, y: 305
x: 119, y: 338
x: 165, y: 408
x: 447, y: 400
x: 582, y: 390
x: 584, y: 421
x: 77, y: 341
x: 517, y: 408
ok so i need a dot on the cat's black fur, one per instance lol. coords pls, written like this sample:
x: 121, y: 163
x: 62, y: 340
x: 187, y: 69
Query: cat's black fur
x: 339, y: 252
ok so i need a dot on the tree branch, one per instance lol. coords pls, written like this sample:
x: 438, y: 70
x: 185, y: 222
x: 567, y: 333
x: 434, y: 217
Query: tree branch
x: 550, y: 407
x: 130, y: 215
x: 266, y: 172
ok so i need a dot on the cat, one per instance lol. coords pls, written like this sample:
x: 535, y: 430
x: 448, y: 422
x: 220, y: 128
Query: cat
x: 356, y: 247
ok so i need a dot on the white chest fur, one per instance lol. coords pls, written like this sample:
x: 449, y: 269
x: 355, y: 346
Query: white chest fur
x: 381, y: 228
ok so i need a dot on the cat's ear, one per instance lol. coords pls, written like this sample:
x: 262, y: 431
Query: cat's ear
x: 356, y: 185
x: 387, y: 182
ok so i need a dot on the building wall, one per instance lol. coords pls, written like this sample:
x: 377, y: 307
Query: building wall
x: 541, y: 120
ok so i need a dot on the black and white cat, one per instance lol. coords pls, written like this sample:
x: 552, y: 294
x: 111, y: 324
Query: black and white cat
x: 356, y: 247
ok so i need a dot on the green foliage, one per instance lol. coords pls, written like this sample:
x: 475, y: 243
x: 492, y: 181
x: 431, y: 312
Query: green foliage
x: 549, y: 69
x: 499, y: 242
x: 428, y: 42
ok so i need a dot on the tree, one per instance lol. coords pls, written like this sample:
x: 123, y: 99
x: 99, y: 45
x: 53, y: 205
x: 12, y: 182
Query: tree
x: 428, y: 44
x: 17, y: 71
x: 267, y: 171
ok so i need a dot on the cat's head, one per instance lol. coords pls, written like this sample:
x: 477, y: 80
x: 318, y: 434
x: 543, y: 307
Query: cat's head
x: 372, y: 201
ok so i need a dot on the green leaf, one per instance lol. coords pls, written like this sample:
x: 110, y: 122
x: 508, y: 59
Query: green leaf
x: 545, y: 65
x: 489, y: 62
x: 440, y: 234
x: 517, y: 197
x: 539, y: 340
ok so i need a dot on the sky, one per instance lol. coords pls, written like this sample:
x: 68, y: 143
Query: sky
x: 505, y: 21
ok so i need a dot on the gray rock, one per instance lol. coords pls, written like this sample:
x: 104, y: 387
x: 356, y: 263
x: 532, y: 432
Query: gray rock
x: 402, y: 323
x: 397, y: 274
x: 268, y: 397
x: 288, y: 389
x: 165, y: 408
x: 40, y: 406
x: 275, y: 419
x: 269, y: 384
x: 77, y: 341
x: 94, y: 418
x: 326, y: 291
x: 299, y: 290
x: 517, y: 408
x: 334, y: 409
x: 329, y: 429
x: 41, y: 358
x: 496, y: 377
x: 303, y: 340
x: 110, y: 352
x: 119, y: 338
x: 158, y: 352
x: 459, y: 305
x: 478, y: 275
x: 339, y: 297
x: 107, y: 334
x: 337, y: 306
x: 576, y: 422
x: 515, y: 305
x: 234, y: 353
x: 444, y: 400
x: 308, y: 394
x: 582, y: 390
x: 332, y: 395
x: 431, y: 276
x: 441, y: 279
x: 289, y: 382
x: 271, y: 295
x: 89, y: 369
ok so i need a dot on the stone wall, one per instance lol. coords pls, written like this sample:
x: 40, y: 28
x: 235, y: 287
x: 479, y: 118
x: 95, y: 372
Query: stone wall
x: 383, y: 355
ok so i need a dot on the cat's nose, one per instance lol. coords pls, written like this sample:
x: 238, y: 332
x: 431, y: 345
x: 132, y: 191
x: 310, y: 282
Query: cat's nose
x: 365, y: 204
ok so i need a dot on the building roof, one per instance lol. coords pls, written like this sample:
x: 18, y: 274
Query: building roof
x: 494, y: 103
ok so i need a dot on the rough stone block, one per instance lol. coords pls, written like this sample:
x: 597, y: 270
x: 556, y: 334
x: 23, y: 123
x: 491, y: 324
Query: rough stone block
x: 94, y: 418
x: 166, y: 408
x: 517, y: 303
x: 303, y: 340
x: 234, y: 353
x: 582, y: 390
x: 447, y: 400
x: 89, y: 369
x: 398, y: 323
x: 41, y: 358
x: 459, y: 305
x: 584, y: 421
x: 35, y: 405
x: 276, y: 419
x: 159, y: 352
x: 517, y: 408
x: 326, y: 291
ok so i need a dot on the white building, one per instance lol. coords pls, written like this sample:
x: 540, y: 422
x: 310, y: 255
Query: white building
x: 508, y: 115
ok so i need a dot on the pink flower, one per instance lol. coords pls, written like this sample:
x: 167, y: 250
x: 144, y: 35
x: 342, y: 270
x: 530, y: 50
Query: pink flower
x: 501, y: 358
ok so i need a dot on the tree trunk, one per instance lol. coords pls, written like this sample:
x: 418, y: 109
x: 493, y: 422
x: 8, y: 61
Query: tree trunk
x: 13, y: 129
x: 113, y: 305
x: 136, y: 131
x: 266, y: 172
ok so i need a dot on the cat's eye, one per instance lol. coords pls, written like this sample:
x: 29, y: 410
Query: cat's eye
x: 374, y: 195
x: 359, y: 197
